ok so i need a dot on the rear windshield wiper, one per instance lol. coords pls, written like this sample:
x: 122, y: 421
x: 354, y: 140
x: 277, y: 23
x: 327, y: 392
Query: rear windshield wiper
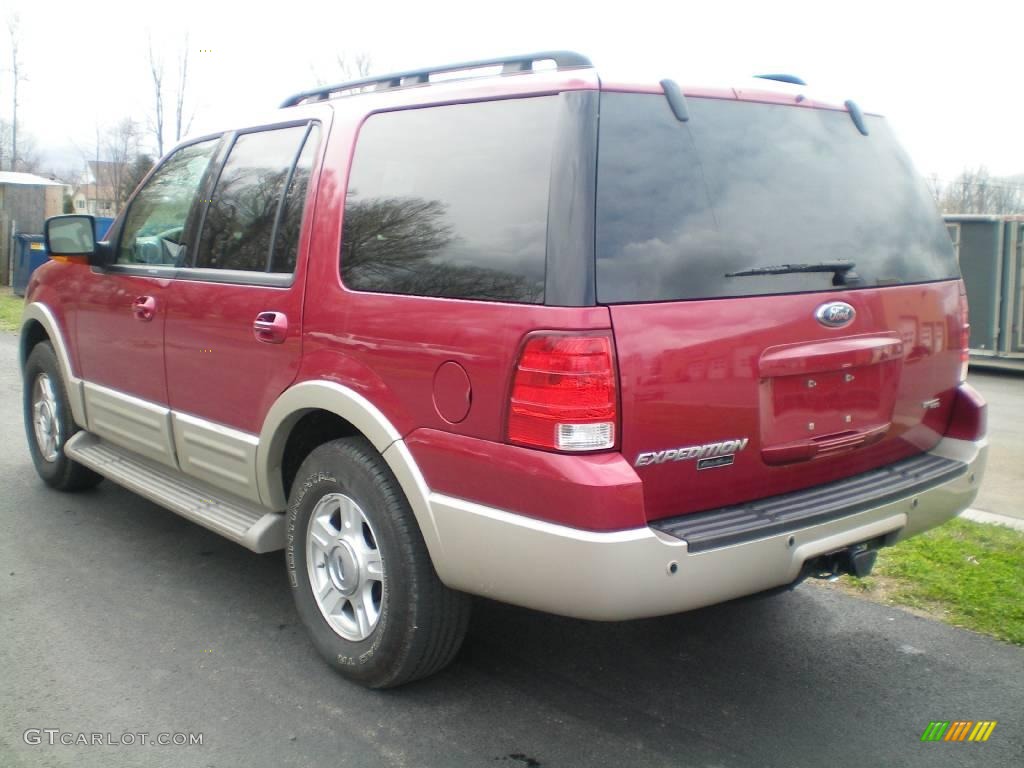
x: 842, y: 271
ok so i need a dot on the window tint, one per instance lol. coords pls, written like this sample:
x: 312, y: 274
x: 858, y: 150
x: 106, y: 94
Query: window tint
x: 745, y: 185
x: 451, y: 201
x: 286, y: 248
x: 155, y: 225
x: 240, y: 218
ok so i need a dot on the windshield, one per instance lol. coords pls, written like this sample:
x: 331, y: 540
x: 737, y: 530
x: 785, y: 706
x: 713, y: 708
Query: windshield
x: 682, y: 207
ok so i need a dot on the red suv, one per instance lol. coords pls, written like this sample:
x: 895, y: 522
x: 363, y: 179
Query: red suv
x: 600, y: 348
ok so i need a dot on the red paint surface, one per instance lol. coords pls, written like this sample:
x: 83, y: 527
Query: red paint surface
x: 453, y: 392
x: 115, y: 347
x: 596, y: 492
x: 56, y: 285
x: 691, y: 374
x: 216, y: 367
x: 828, y: 396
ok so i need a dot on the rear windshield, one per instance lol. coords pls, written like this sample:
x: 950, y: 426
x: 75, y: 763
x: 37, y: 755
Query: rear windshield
x: 744, y: 185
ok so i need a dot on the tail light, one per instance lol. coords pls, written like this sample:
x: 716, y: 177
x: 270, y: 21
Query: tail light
x: 969, y: 417
x: 965, y: 333
x: 564, y: 393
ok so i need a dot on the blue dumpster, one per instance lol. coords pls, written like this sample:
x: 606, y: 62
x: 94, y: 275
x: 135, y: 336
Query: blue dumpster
x: 29, y: 253
x: 100, y: 226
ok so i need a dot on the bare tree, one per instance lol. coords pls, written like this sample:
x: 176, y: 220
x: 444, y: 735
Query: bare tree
x: 122, y: 147
x: 347, y: 67
x: 975, y: 190
x: 23, y: 156
x: 65, y: 172
x: 156, y: 70
x: 5, y: 143
x: 28, y: 156
x: 354, y: 67
x: 17, y: 76
x: 141, y: 165
x: 159, y: 122
x: 936, y: 187
x: 179, y: 114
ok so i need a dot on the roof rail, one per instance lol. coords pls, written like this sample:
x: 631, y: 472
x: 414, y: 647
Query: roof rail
x: 509, y: 64
x: 791, y: 79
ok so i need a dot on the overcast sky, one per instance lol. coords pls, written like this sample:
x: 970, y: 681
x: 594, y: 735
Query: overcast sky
x: 948, y: 75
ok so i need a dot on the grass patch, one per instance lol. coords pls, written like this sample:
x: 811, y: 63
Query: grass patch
x: 964, y: 573
x: 10, y: 310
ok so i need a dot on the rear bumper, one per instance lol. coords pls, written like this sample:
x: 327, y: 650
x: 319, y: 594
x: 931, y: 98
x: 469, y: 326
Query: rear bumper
x: 629, y: 574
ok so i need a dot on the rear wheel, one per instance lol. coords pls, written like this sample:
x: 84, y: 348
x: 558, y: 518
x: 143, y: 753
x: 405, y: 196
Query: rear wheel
x: 49, y: 423
x: 364, y: 584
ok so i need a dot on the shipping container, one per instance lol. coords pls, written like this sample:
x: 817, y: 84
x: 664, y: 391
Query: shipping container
x: 989, y: 248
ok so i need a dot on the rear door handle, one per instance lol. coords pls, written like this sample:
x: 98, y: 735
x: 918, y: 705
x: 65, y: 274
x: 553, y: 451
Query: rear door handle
x: 144, y: 308
x: 270, y: 327
x: 805, y: 450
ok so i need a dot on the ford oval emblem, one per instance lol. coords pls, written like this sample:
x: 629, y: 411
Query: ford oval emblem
x: 835, y: 314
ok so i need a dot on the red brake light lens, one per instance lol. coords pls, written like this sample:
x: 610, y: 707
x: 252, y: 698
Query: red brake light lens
x: 564, y: 394
x: 969, y: 418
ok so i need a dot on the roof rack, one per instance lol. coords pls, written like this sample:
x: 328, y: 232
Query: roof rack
x: 791, y: 79
x: 510, y: 64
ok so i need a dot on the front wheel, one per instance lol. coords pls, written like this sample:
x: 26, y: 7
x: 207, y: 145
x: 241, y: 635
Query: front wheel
x: 49, y: 423
x: 363, y: 581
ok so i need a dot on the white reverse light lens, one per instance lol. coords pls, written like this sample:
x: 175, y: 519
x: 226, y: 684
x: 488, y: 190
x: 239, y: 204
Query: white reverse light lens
x: 585, y: 437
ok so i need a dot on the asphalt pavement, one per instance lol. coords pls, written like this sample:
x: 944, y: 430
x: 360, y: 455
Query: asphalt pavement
x: 117, y: 617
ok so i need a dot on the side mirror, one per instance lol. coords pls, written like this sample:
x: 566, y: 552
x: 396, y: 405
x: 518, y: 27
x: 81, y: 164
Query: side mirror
x: 73, y: 238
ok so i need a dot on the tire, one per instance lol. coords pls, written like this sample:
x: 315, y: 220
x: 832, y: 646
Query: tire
x: 385, y: 618
x: 42, y: 374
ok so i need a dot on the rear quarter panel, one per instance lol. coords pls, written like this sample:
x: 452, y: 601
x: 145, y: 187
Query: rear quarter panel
x: 389, y: 347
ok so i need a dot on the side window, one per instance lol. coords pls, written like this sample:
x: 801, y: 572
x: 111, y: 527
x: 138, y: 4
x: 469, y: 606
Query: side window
x: 286, y: 247
x: 155, y: 225
x: 451, y: 201
x: 249, y: 198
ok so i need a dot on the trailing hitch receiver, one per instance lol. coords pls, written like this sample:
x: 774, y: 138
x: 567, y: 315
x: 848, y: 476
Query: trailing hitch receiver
x: 857, y: 560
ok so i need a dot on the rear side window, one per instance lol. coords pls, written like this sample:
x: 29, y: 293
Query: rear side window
x: 742, y: 186
x: 250, y: 202
x: 451, y: 201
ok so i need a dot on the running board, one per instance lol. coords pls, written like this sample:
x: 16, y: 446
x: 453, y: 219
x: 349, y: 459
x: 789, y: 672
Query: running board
x: 244, y: 522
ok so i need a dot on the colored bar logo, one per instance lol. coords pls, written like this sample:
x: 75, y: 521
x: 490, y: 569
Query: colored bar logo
x: 958, y: 730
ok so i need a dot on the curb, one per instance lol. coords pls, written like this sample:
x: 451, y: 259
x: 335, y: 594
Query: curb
x: 991, y: 517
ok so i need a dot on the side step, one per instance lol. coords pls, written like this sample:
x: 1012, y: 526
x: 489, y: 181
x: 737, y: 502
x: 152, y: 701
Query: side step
x: 252, y: 526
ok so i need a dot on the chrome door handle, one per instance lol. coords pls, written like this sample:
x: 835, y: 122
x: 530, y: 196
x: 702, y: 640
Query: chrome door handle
x: 144, y: 308
x: 270, y: 327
